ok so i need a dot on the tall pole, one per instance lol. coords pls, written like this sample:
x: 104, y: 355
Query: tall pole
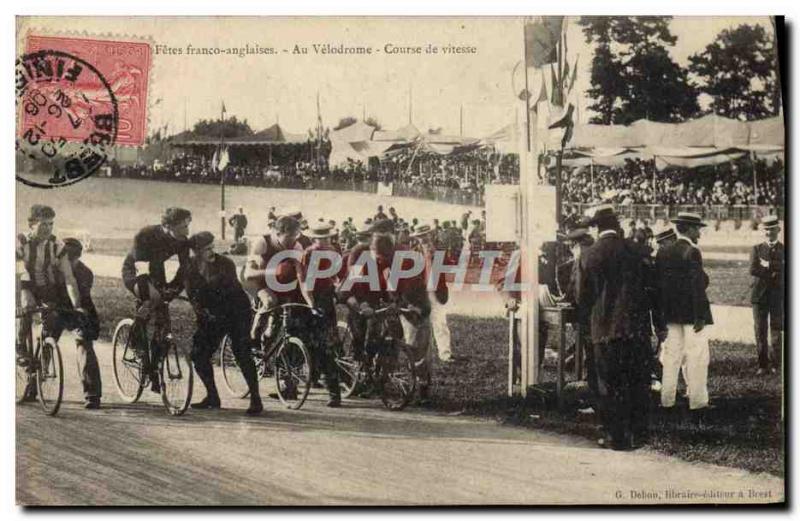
x: 410, y: 103
x: 221, y: 174
x: 461, y: 120
x: 752, y: 155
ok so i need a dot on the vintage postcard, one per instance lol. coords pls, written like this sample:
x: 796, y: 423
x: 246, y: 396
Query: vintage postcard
x: 408, y: 261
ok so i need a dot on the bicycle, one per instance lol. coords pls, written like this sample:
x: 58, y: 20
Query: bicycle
x: 41, y: 361
x: 174, y: 368
x: 283, y: 357
x: 389, y: 364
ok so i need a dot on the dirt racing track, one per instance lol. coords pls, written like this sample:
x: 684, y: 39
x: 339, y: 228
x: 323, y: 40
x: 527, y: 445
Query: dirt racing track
x: 360, y: 454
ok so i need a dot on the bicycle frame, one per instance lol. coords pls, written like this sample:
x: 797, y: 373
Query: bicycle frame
x: 160, y: 335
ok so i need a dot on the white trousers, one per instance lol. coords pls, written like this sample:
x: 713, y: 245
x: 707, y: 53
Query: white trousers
x: 441, y: 331
x: 687, y: 351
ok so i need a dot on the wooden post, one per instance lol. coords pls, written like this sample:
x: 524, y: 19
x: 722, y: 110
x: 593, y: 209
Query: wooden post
x: 529, y: 247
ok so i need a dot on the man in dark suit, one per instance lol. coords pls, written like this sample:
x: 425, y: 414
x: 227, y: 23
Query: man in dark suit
x: 611, y: 297
x: 239, y: 223
x: 687, y: 313
x: 766, y: 267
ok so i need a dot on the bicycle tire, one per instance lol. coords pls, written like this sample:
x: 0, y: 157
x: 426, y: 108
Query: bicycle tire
x: 127, y: 374
x: 231, y: 372
x: 348, y: 368
x: 397, y: 377
x: 292, y: 359
x: 176, y: 374
x: 49, y: 369
x: 24, y: 376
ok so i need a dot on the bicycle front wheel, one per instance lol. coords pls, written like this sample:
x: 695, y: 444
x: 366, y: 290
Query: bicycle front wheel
x: 127, y: 363
x: 292, y: 372
x: 396, y: 376
x: 49, y: 376
x: 177, y: 379
x: 345, y: 363
x: 24, y: 375
x: 231, y: 373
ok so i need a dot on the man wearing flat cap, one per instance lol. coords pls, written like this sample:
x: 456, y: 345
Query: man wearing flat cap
x: 767, y: 269
x: 222, y: 308
x: 687, y: 313
x: 611, y: 297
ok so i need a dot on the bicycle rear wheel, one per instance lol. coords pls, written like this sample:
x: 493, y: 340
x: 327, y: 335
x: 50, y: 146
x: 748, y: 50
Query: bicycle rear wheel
x: 177, y: 379
x: 348, y: 368
x: 127, y: 365
x: 231, y: 373
x: 292, y: 372
x: 49, y: 376
x: 396, y: 376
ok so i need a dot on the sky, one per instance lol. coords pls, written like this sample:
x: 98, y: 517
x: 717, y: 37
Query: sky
x: 265, y: 89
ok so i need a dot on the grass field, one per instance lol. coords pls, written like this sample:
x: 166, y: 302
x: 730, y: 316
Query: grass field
x: 743, y: 430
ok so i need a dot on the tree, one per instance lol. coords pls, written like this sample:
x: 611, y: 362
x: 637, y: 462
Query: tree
x: 345, y: 122
x: 739, y: 72
x: 372, y: 122
x: 633, y: 76
x: 228, y: 128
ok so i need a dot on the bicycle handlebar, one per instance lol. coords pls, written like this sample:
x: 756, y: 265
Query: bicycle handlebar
x: 391, y: 307
x: 21, y: 312
x: 287, y: 306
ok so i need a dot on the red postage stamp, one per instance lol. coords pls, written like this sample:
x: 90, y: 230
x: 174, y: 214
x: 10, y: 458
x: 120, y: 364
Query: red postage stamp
x: 125, y: 68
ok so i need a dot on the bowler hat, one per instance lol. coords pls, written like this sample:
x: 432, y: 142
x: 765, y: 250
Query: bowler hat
x: 382, y: 226
x: 599, y: 212
x: 689, y: 218
x: 200, y: 240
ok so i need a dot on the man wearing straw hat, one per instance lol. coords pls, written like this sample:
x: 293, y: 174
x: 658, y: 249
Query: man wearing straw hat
x: 767, y: 269
x: 320, y: 266
x: 687, y: 313
x: 438, y: 317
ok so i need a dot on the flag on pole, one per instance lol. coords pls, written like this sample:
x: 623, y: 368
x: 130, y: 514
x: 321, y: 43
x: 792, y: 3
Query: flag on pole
x: 224, y: 159
x: 220, y: 160
x: 215, y: 160
x: 556, y: 96
x: 574, y: 75
x: 542, y: 35
x: 542, y: 96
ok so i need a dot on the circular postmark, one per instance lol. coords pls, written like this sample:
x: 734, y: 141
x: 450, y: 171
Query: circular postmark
x: 67, y: 118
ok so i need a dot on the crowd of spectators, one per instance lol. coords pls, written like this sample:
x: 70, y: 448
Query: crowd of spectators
x: 461, y: 178
x: 458, y: 178
x: 725, y: 184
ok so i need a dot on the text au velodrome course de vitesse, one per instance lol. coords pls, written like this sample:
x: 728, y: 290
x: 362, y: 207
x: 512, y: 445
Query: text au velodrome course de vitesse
x: 323, y: 49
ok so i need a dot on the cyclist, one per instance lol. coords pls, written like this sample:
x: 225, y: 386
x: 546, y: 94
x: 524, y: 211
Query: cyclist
x: 362, y: 297
x: 44, y: 271
x: 320, y: 291
x: 283, y: 237
x: 222, y: 307
x: 144, y: 275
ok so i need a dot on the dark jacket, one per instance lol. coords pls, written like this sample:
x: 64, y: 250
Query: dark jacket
x: 218, y: 291
x: 767, y: 283
x: 611, y: 291
x: 683, y: 284
x: 155, y: 246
